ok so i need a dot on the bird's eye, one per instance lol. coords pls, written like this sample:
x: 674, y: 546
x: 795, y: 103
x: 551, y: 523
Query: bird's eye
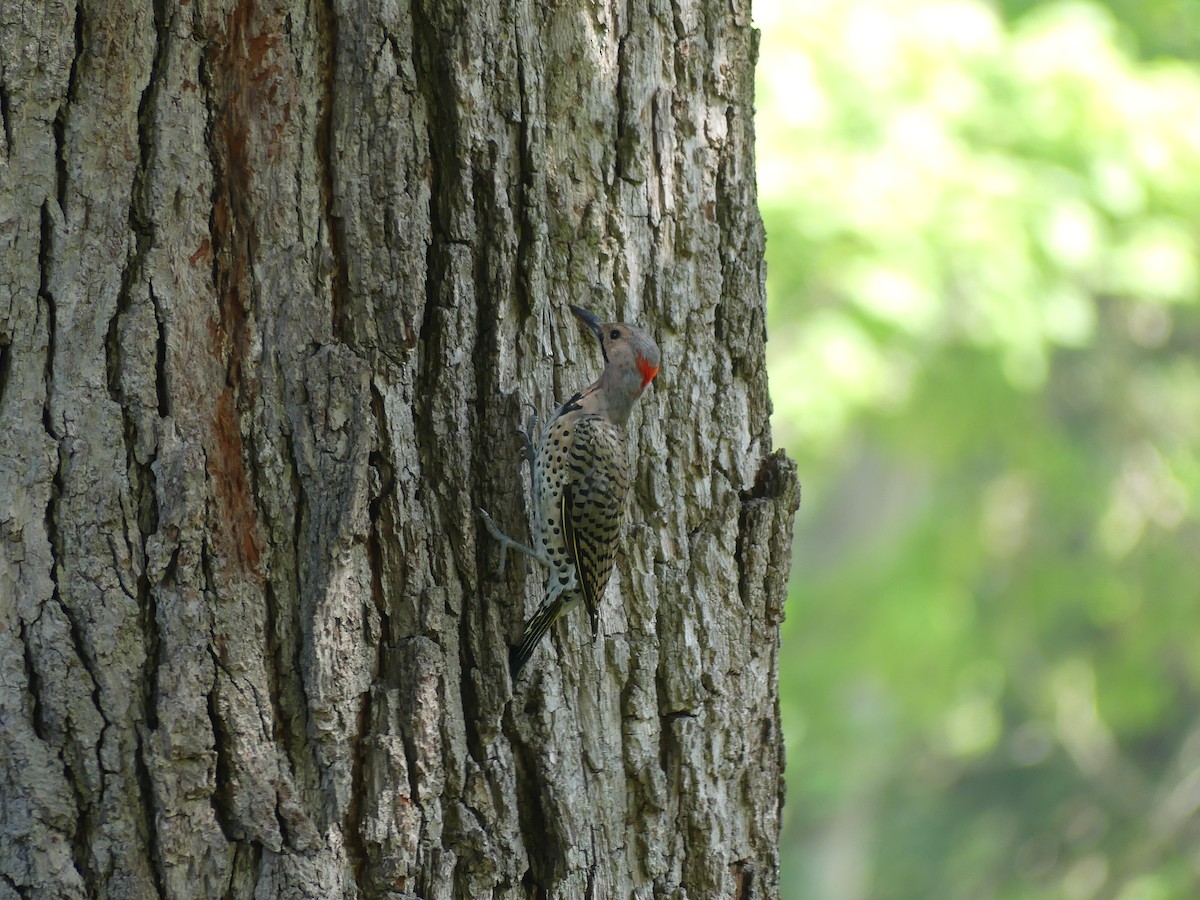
x: 615, y: 334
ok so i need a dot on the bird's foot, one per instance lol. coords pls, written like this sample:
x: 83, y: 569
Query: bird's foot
x: 507, y: 543
x: 529, y: 436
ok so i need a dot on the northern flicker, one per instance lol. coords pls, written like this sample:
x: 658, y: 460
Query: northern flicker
x: 581, y: 469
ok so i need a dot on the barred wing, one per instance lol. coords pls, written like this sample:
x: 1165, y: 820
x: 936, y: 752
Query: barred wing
x: 593, y: 506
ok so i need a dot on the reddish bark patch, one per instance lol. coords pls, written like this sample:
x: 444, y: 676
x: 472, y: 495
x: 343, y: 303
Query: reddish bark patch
x: 260, y: 93
x: 250, y: 95
x: 230, y: 332
x: 238, y: 530
x: 743, y: 879
x: 203, y: 252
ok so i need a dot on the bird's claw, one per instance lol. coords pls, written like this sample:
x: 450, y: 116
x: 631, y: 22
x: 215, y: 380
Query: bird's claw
x: 506, y: 543
x: 498, y: 535
x: 528, y: 433
x: 528, y: 449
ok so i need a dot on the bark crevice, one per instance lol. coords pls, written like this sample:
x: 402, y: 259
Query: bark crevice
x: 34, y: 681
x: 146, y: 787
x: 326, y: 140
x: 5, y: 363
x: 221, y: 797
x: 5, y: 118
x: 87, y: 778
x: 16, y: 889
x: 289, y: 655
x: 60, y: 116
x: 48, y: 306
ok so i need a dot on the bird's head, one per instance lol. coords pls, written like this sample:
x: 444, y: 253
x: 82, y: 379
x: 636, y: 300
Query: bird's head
x: 631, y: 358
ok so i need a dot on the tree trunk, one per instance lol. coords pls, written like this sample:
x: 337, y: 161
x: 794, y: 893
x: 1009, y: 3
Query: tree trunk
x: 277, y: 279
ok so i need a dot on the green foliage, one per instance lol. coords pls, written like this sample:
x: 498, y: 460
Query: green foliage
x: 984, y: 258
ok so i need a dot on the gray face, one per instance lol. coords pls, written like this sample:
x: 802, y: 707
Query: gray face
x: 631, y: 358
x: 632, y: 355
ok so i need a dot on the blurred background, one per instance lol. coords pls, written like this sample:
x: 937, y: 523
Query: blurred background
x: 983, y: 230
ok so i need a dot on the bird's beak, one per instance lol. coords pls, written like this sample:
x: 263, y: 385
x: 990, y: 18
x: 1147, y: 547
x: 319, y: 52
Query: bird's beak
x: 590, y: 320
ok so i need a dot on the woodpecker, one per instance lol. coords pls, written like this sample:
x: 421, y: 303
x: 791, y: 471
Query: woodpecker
x: 581, y: 473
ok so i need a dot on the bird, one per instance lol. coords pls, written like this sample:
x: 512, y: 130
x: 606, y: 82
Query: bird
x: 581, y: 475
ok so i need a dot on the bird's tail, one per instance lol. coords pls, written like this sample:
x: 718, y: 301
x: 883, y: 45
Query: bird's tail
x: 537, y: 626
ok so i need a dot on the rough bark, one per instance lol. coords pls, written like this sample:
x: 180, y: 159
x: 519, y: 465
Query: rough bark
x: 277, y: 278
